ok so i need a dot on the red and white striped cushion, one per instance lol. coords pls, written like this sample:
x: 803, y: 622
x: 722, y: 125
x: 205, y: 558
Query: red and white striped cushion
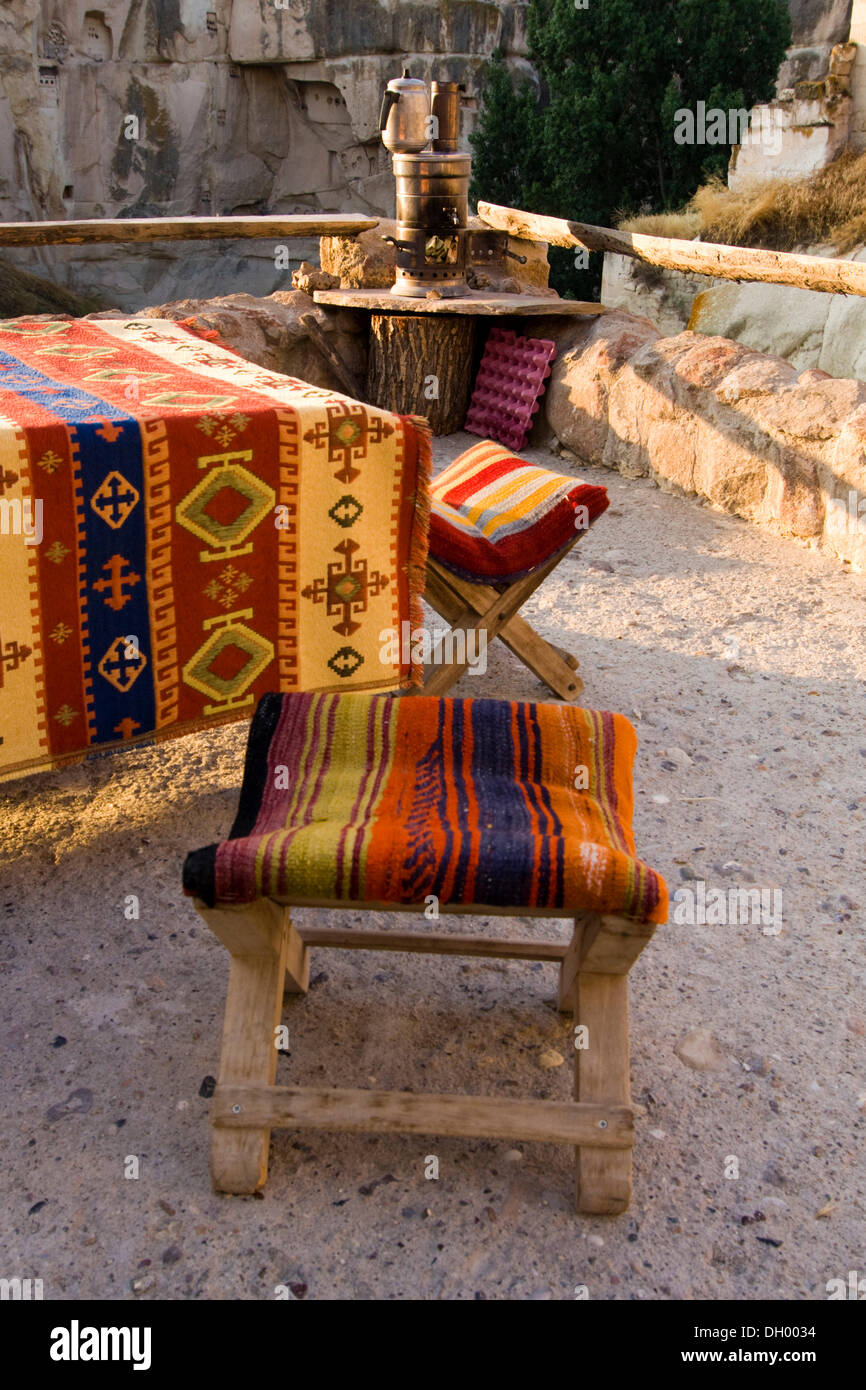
x: 496, y: 517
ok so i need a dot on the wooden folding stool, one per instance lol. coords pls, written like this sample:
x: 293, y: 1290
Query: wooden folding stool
x: 499, y: 527
x: 389, y: 853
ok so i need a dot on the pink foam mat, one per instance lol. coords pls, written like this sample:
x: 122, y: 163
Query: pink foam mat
x: 509, y: 386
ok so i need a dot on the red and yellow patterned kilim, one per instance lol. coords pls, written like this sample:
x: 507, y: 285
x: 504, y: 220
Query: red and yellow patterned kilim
x: 181, y: 531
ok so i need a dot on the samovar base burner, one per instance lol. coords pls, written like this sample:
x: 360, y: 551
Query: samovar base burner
x: 432, y: 223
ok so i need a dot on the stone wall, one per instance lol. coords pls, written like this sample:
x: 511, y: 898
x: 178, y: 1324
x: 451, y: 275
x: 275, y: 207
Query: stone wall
x: 708, y: 416
x: 810, y: 329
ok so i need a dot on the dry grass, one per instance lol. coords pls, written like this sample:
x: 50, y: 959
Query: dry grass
x: 23, y: 293
x: 684, y: 225
x: 828, y: 208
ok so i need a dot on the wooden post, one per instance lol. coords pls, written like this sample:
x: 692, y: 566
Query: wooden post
x: 421, y: 364
x: 829, y: 274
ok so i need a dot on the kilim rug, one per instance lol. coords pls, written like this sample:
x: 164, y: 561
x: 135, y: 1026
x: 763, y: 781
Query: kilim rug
x: 479, y: 802
x: 181, y: 531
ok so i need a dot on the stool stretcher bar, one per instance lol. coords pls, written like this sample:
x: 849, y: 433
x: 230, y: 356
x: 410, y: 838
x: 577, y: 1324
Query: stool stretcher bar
x: 435, y: 944
x: 270, y: 955
x: 404, y: 1112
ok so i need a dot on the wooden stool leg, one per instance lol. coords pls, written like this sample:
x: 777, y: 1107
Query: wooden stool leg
x: 297, y: 980
x: 459, y: 601
x: 267, y: 956
x: 566, y: 1001
x: 602, y: 1074
x: 239, y: 1158
x: 555, y: 668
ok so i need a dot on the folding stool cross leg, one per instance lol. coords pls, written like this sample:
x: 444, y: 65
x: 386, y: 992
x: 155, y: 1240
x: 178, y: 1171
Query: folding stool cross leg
x: 493, y: 611
x: 269, y: 954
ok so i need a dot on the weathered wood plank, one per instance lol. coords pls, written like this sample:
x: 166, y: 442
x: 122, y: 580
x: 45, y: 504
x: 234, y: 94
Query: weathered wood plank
x: 475, y: 302
x: 825, y: 273
x: 402, y: 1112
x: 141, y: 229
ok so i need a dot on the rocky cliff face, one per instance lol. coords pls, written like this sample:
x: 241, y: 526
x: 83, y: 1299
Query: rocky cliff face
x: 147, y: 107
x: 218, y: 105
x: 816, y: 26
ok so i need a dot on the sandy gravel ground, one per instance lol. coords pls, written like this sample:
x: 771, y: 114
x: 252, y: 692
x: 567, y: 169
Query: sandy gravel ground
x: 740, y: 658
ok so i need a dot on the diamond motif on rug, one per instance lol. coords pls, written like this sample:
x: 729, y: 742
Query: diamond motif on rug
x: 121, y: 666
x: 226, y: 506
x: 346, y: 662
x: 228, y: 663
x: 114, y: 499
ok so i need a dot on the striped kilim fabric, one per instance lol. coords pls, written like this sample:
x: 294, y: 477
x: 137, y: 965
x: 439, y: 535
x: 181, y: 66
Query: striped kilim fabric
x: 496, y: 518
x: 365, y: 798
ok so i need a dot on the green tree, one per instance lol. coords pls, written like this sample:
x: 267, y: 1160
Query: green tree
x: 509, y: 129
x: 596, y: 141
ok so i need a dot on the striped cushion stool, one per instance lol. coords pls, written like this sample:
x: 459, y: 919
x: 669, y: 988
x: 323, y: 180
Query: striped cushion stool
x: 498, y: 527
x: 367, y: 801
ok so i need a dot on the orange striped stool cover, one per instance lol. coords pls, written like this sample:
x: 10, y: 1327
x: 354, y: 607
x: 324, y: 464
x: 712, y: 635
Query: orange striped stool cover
x: 365, y: 798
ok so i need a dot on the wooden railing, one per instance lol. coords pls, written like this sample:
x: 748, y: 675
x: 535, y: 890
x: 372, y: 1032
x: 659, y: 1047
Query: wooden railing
x: 830, y: 275
x: 824, y: 273
x: 139, y: 229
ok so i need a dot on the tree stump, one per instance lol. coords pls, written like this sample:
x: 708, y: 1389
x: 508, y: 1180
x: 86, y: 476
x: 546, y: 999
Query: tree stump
x: 421, y: 364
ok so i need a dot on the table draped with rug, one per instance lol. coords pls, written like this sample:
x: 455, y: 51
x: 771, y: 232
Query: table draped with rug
x: 182, y: 531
